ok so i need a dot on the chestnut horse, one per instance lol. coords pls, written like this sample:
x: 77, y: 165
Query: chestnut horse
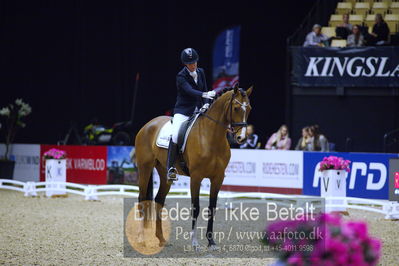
x: 207, y: 154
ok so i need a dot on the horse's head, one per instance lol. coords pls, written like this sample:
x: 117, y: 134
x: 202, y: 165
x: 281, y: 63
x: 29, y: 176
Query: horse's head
x: 238, y: 111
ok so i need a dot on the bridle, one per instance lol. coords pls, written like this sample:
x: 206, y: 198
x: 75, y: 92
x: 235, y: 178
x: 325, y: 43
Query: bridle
x: 231, y: 126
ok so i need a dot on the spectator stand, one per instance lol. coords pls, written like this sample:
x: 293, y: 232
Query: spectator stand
x: 329, y: 14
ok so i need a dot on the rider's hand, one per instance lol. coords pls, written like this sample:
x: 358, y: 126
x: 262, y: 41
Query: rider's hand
x: 209, y: 95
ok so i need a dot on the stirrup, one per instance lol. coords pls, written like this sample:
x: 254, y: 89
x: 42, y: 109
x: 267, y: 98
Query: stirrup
x: 172, y: 174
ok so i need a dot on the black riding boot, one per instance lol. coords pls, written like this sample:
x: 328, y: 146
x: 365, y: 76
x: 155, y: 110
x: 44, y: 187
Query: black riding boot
x: 172, y: 172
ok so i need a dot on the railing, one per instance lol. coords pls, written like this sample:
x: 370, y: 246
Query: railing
x: 92, y: 192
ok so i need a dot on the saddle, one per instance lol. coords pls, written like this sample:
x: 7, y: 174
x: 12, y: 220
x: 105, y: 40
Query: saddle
x: 164, y: 136
x: 165, y: 133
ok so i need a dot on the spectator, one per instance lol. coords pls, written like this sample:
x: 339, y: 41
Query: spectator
x: 380, y: 32
x: 356, y: 39
x: 345, y: 22
x: 304, y: 142
x: 279, y: 140
x: 318, y: 141
x: 252, y: 139
x: 315, y: 38
x: 345, y: 28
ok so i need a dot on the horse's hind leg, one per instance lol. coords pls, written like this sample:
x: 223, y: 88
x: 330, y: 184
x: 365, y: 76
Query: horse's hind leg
x: 164, y: 188
x: 145, y: 168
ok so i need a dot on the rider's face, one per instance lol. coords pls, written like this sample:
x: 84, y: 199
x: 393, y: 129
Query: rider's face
x: 192, y: 67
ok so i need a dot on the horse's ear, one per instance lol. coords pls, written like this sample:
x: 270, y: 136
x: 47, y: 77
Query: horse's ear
x: 236, y: 87
x: 249, y: 91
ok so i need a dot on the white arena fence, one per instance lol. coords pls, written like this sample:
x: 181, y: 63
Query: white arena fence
x: 91, y: 192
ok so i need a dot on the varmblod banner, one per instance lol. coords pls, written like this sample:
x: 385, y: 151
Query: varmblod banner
x: 346, y: 67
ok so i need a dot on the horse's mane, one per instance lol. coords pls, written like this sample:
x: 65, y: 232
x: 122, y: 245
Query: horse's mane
x: 226, y: 94
x: 226, y: 90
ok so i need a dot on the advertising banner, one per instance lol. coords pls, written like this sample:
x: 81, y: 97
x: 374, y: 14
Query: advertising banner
x: 27, y: 161
x: 345, y: 67
x: 257, y: 171
x: 368, y: 176
x: 120, y: 169
x: 85, y: 164
x: 183, y: 182
x: 226, y: 58
x: 394, y: 179
x: 265, y: 171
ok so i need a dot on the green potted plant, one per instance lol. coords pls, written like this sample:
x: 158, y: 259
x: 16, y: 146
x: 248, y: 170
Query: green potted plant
x: 13, y: 115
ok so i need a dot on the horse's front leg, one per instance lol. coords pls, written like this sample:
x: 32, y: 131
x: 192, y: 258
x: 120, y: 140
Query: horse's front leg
x: 160, y: 200
x: 216, y: 183
x: 195, y: 209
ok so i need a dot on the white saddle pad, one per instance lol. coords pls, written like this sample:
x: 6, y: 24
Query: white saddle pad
x: 165, y: 133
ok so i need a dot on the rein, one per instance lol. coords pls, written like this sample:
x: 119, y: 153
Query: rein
x: 216, y: 121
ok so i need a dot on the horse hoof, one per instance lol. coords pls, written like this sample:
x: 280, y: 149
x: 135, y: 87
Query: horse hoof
x: 197, y: 248
x: 214, y: 248
x: 166, y: 244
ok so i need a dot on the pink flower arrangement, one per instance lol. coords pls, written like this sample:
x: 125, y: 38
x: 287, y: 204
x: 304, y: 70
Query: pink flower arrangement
x: 325, y: 240
x: 334, y: 163
x: 55, y: 154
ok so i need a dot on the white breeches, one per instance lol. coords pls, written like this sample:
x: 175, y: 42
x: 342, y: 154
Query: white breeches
x: 178, y: 119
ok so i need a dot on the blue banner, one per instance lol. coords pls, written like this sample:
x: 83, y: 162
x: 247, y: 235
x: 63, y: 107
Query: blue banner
x: 368, y: 177
x: 226, y: 58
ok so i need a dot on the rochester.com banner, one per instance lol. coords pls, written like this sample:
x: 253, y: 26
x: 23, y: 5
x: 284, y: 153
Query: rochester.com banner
x: 257, y: 171
x: 347, y: 67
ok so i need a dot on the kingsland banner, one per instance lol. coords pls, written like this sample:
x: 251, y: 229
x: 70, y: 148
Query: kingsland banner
x: 346, y: 67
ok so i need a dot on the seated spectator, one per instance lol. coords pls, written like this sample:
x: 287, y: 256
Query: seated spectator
x: 356, y: 39
x: 279, y: 140
x: 252, y: 139
x: 345, y: 28
x: 316, y: 38
x: 318, y: 142
x: 345, y: 22
x: 304, y: 142
x: 380, y: 34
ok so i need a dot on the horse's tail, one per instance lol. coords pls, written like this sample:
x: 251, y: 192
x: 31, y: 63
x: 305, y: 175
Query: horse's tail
x: 133, y: 157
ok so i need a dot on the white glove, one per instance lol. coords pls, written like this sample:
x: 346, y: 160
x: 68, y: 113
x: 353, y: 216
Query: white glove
x: 204, y: 107
x: 209, y: 95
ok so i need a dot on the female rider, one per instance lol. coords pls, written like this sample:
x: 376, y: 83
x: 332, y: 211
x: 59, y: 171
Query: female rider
x: 191, y: 88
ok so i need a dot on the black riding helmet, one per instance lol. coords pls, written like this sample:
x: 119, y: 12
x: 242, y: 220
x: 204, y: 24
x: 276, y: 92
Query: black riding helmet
x: 189, y: 56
